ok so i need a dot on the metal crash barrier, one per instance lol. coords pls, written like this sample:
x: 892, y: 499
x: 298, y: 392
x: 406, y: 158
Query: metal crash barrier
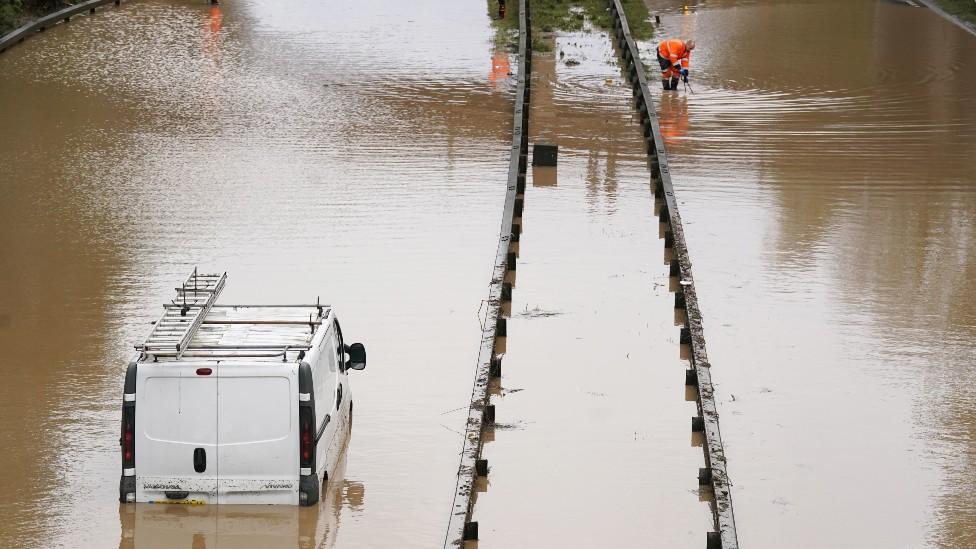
x: 714, y: 473
x: 481, y: 413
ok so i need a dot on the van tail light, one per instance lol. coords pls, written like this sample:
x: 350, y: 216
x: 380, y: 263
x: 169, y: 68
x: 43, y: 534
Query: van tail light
x: 306, y: 444
x: 128, y: 437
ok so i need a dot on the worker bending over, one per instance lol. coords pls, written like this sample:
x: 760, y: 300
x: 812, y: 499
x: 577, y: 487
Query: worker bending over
x: 674, y: 56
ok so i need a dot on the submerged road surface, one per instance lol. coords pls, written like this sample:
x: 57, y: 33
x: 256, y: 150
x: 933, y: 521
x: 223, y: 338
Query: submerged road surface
x: 355, y: 151
x: 825, y: 169
x: 358, y: 151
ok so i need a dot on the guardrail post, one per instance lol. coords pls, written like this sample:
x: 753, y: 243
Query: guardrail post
x: 490, y: 414
x: 496, y: 367
x: 471, y: 531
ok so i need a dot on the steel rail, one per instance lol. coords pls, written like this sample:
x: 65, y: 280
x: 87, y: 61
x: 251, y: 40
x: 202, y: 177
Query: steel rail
x: 715, y: 473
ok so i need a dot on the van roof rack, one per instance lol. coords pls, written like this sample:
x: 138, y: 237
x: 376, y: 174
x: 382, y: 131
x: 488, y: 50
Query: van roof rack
x: 193, y: 325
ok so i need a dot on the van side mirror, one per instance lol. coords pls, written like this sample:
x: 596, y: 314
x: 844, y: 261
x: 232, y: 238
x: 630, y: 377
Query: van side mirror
x: 357, y: 356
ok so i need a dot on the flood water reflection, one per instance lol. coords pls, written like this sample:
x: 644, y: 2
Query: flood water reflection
x: 353, y: 151
x: 830, y: 211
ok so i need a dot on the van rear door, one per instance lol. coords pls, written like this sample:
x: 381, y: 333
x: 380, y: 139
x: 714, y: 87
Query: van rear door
x: 257, y: 433
x: 176, y: 433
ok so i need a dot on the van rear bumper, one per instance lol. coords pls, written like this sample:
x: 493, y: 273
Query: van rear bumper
x: 308, y: 489
x: 176, y: 490
x: 127, y: 489
x: 243, y: 491
x: 172, y: 490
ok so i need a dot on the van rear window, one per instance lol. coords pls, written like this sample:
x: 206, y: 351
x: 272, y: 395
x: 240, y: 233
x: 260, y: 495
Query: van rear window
x: 253, y: 409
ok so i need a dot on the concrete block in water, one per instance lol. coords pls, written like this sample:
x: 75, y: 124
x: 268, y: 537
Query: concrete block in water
x: 544, y: 154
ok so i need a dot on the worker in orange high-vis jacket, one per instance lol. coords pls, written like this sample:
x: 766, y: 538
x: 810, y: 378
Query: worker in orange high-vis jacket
x: 674, y: 55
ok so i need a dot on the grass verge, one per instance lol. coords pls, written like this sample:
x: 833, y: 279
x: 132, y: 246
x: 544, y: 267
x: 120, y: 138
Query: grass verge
x: 14, y: 13
x: 568, y: 16
x: 963, y: 9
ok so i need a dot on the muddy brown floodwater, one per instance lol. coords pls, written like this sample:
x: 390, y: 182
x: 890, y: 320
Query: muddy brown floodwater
x: 353, y: 150
x: 825, y: 171
x: 358, y: 151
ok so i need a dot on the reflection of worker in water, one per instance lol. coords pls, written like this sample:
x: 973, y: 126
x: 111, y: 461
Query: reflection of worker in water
x: 211, y: 35
x: 501, y: 69
x: 674, y: 56
x: 216, y: 19
x: 673, y: 118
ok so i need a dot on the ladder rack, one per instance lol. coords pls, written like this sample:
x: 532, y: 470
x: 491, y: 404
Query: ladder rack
x: 181, y: 320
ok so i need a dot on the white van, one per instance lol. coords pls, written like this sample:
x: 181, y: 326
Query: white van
x: 235, y: 403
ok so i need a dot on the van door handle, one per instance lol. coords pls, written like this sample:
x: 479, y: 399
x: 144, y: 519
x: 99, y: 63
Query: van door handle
x: 199, y: 460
